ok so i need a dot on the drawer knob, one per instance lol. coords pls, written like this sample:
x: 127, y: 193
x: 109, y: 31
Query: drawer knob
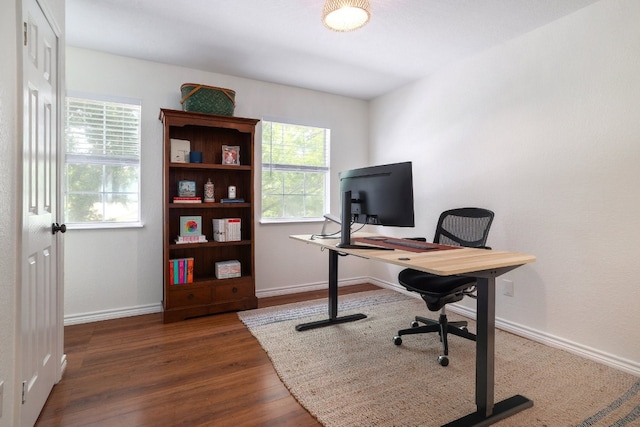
x: 191, y: 296
x: 234, y: 290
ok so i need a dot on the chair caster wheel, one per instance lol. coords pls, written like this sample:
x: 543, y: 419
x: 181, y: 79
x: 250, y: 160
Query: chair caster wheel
x: 397, y: 340
x: 415, y: 324
x: 443, y: 360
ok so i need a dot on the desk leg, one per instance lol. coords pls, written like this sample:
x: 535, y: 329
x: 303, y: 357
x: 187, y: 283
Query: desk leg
x: 333, y: 300
x: 487, y: 412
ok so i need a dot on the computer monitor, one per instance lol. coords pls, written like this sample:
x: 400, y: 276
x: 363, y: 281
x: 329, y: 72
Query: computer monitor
x: 377, y: 195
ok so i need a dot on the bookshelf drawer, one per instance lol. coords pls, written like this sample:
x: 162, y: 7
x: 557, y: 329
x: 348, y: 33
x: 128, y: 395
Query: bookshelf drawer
x: 186, y: 297
x: 232, y: 292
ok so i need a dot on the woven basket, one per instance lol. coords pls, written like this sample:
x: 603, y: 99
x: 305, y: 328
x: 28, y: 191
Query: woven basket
x: 207, y: 99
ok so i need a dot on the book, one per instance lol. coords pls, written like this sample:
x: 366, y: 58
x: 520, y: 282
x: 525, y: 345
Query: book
x: 189, y: 278
x: 233, y: 229
x: 187, y: 200
x: 181, y: 270
x: 230, y: 155
x: 180, y: 149
x: 190, y: 225
x: 231, y: 200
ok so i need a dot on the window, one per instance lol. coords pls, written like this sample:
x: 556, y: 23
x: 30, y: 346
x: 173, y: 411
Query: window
x: 295, y: 171
x: 102, y: 163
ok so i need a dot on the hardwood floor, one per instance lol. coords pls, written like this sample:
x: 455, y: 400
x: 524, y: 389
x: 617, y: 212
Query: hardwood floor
x: 208, y: 371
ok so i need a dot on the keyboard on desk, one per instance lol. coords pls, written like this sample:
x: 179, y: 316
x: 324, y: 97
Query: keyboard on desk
x: 405, y: 243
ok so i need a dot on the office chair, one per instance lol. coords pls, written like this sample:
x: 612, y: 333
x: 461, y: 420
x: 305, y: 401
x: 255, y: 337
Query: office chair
x: 457, y: 227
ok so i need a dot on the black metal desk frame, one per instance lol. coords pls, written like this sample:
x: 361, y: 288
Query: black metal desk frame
x: 487, y: 412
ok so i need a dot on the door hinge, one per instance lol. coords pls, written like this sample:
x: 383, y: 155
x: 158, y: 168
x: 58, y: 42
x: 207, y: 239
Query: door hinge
x: 24, y: 392
x: 25, y: 33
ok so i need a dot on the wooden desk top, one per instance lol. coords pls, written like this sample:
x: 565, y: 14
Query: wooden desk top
x: 442, y: 263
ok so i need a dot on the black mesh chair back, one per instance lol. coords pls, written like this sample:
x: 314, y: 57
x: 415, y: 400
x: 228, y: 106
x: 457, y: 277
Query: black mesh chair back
x: 464, y: 227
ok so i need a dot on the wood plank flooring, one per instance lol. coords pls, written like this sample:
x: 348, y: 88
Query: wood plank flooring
x: 208, y: 371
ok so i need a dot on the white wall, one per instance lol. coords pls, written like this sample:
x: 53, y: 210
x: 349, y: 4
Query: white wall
x: 109, y: 271
x: 543, y: 130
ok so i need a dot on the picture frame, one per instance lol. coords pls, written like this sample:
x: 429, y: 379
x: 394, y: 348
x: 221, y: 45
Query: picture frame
x: 186, y: 188
x: 190, y: 225
x: 230, y: 155
x: 180, y: 149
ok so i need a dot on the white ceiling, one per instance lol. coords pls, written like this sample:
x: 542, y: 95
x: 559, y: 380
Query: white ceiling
x: 284, y: 41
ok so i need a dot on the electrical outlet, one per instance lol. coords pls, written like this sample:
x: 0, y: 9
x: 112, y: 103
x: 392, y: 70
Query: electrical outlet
x: 507, y: 287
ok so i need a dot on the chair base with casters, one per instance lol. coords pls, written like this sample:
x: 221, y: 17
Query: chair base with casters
x: 467, y: 227
x: 442, y: 326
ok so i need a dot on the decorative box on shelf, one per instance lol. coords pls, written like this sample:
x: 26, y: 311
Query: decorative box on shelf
x: 227, y: 269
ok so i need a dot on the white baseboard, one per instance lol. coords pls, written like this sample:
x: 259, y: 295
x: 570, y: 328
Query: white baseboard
x: 611, y: 360
x: 506, y: 325
x: 274, y: 292
x: 76, y: 319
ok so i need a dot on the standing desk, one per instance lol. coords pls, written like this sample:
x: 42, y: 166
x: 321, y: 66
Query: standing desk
x: 485, y: 265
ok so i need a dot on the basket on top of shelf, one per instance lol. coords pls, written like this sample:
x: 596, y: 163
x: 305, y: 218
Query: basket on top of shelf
x: 207, y: 99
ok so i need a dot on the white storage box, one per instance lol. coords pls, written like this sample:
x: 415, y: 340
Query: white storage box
x: 227, y: 269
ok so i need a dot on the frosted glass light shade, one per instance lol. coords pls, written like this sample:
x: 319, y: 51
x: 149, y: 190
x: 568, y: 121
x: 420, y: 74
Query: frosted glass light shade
x: 346, y: 15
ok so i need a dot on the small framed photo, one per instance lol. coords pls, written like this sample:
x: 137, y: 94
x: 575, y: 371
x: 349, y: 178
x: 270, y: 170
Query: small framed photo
x: 180, y: 149
x: 186, y: 188
x: 230, y: 155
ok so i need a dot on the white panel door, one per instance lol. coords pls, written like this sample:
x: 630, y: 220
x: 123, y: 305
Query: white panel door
x: 39, y: 316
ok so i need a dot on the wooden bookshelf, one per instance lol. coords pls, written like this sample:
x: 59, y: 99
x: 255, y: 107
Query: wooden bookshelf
x: 206, y: 294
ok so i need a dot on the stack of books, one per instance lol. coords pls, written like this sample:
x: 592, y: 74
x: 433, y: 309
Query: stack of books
x: 227, y: 229
x: 191, y: 239
x: 187, y: 199
x: 181, y: 270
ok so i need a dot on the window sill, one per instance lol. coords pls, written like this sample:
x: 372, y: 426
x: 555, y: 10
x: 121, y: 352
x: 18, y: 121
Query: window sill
x: 289, y: 220
x: 104, y: 226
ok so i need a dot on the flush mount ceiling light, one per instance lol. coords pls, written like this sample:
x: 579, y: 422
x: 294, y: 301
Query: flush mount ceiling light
x: 346, y: 15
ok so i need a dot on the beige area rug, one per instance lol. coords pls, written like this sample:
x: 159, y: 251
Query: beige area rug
x: 353, y: 375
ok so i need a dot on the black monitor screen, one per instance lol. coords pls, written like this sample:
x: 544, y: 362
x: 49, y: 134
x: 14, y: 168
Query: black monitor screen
x: 379, y: 195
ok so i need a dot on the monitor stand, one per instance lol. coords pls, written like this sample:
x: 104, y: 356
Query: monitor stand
x: 345, y: 231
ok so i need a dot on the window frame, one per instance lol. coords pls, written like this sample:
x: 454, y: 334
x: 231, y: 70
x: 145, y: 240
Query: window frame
x: 326, y: 169
x: 99, y: 98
